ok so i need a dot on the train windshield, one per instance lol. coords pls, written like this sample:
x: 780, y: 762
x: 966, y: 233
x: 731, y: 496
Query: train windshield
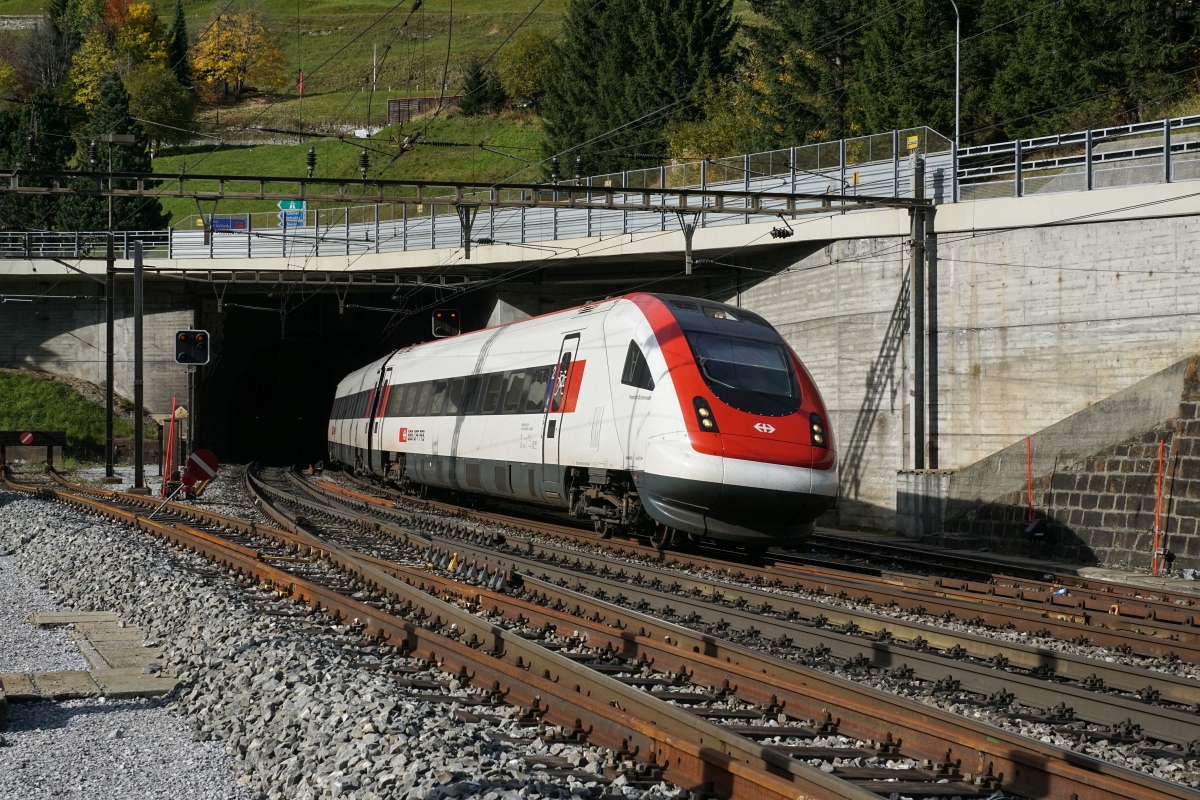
x: 752, y: 376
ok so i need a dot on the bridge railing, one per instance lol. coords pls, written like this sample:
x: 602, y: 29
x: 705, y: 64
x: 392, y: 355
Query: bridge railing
x: 1126, y: 155
x: 877, y: 165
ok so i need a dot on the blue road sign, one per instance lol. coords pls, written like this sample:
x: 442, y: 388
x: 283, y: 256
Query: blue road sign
x: 291, y: 219
x: 227, y: 224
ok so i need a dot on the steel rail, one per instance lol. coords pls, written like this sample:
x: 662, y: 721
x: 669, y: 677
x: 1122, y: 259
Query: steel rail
x: 991, y: 753
x: 745, y: 610
x: 1054, y: 619
x: 801, y: 688
x: 1072, y: 625
x: 1081, y: 776
x: 693, y: 753
x: 1157, y: 600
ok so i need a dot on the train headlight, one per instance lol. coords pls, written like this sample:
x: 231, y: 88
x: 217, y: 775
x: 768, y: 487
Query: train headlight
x: 704, y: 415
x: 817, y: 426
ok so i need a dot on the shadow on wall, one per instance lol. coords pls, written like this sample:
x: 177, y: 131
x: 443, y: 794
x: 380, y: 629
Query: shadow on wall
x: 1102, y: 510
x: 881, y: 383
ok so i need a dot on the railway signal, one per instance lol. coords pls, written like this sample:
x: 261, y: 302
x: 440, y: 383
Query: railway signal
x: 446, y: 322
x: 191, y: 347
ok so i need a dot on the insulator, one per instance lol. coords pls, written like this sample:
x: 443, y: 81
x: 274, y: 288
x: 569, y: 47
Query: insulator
x: 310, y: 160
x: 364, y: 163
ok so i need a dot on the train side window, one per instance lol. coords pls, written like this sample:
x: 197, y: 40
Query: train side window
x: 515, y: 393
x: 636, y: 372
x: 471, y: 393
x: 491, y: 398
x: 535, y: 395
x: 410, y: 399
x: 454, y: 397
x: 439, y: 397
x: 395, y: 399
x: 423, y: 399
x: 560, y: 382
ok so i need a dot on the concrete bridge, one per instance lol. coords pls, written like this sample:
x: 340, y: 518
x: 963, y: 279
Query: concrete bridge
x: 1060, y: 271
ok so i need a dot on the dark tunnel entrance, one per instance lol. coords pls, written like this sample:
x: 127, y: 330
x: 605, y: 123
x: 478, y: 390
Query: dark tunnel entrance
x: 267, y: 395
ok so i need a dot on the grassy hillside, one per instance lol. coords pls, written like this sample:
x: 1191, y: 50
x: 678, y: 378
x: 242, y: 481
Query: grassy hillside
x: 511, y: 133
x: 39, y: 402
x: 312, y: 31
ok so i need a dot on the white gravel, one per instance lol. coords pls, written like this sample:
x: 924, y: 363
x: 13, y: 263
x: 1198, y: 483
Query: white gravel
x: 96, y: 750
x: 24, y: 648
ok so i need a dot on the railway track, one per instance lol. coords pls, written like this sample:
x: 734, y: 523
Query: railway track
x: 708, y: 714
x: 486, y: 561
x: 991, y: 669
x: 1121, y: 626
x: 547, y: 676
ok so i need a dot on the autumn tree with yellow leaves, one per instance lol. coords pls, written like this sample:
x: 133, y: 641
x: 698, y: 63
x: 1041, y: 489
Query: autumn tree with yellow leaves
x: 239, y: 47
x: 126, y: 35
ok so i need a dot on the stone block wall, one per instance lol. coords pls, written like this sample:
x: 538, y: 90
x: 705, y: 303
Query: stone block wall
x: 1101, y: 509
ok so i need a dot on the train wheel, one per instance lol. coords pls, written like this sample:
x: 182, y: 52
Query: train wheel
x: 662, y: 537
x: 604, y: 528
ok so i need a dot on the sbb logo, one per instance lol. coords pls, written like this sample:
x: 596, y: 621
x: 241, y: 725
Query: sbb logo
x: 404, y: 434
x: 763, y: 427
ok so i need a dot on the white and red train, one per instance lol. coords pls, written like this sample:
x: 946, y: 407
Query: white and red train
x: 670, y: 417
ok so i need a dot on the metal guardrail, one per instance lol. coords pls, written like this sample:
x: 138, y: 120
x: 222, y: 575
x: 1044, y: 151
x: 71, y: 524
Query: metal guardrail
x: 878, y: 165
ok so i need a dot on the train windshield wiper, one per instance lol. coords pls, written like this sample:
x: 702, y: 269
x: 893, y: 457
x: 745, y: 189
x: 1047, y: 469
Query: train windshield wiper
x: 703, y: 362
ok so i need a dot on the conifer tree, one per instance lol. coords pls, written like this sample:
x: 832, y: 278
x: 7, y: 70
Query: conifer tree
x: 1059, y: 71
x: 37, y: 137
x: 808, y: 51
x: 177, y: 46
x: 482, y: 91
x: 905, y: 75
x: 111, y: 115
x: 627, y: 68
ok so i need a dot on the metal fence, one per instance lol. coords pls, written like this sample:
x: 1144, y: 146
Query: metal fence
x: 878, y: 165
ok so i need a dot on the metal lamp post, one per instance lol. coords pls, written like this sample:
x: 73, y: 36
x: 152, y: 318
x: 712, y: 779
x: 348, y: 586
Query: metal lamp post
x: 957, y: 64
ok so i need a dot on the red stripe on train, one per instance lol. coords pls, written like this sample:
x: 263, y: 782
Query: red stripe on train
x: 574, y: 381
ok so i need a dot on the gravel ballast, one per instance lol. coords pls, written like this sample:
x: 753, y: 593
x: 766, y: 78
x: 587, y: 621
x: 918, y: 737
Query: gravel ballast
x: 98, y: 749
x: 305, y: 709
x: 24, y: 648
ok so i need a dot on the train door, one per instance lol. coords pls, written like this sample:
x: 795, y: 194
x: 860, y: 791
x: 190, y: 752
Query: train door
x: 552, y: 473
x: 375, y: 412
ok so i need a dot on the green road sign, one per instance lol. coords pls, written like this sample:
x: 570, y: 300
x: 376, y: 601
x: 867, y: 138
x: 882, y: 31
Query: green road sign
x: 291, y: 205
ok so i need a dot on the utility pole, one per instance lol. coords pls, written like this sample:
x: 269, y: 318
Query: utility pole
x: 916, y: 300
x: 191, y: 409
x: 110, y: 287
x: 139, y: 478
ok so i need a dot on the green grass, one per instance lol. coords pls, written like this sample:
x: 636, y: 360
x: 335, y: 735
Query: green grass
x: 516, y: 134
x: 418, y: 51
x: 36, y: 402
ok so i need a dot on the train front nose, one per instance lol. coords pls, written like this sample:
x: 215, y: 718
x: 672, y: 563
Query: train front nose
x: 751, y: 490
x: 773, y: 486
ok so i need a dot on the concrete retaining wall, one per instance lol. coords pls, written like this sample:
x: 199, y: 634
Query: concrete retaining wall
x: 1033, y: 326
x: 1104, y: 507
x: 65, y: 335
